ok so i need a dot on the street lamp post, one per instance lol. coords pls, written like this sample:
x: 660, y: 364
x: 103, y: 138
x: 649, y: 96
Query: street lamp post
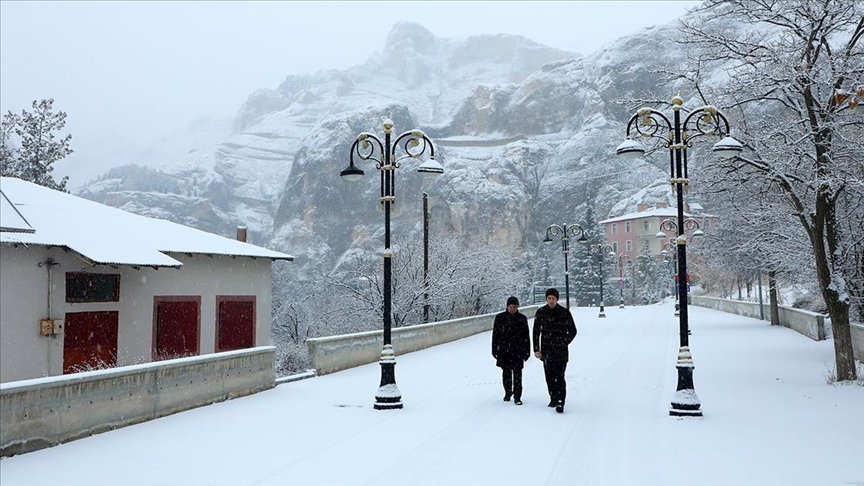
x: 602, y: 250
x: 413, y: 144
x: 565, y: 232
x: 668, y: 249
x: 621, y: 258
x: 677, y: 137
x: 632, y: 281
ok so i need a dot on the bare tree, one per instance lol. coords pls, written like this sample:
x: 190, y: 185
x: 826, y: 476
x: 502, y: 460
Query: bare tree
x: 795, y: 68
x: 463, y: 280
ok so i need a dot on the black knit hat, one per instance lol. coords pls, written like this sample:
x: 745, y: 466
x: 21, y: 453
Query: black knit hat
x: 552, y: 291
x: 512, y: 300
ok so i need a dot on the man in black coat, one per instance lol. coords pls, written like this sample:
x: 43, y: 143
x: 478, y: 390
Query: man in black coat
x: 511, y: 346
x: 554, y: 330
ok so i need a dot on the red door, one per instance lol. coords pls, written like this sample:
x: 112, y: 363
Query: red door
x: 89, y: 341
x: 176, y: 328
x: 235, y: 326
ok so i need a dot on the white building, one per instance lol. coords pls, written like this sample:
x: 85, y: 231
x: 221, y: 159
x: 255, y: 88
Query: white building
x: 84, y: 285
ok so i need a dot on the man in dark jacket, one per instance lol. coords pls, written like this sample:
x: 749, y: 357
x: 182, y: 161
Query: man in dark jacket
x: 511, y: 346
x: 554, y: 330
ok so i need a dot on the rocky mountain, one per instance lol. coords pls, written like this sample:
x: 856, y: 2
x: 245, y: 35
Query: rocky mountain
x: 526, y: 134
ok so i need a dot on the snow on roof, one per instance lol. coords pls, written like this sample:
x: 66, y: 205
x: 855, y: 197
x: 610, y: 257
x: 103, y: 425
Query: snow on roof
x: 10, y: 219
x: 106, y: 235
x: 668, y: 212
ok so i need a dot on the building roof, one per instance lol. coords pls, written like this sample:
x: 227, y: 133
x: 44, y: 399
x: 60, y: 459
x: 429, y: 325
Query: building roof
x: 668, y: 212
x: 105, y: 235
x: 10, y: 219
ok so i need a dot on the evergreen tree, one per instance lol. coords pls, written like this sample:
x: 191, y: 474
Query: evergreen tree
x: 584, y: 269
x: 38, y: 147
x: 8, y: 150
x: 652, y: 278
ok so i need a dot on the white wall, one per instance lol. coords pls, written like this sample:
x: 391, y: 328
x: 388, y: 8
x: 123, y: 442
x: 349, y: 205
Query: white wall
x: 25, y: 354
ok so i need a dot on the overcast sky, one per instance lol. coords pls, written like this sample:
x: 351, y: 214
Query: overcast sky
x: 132, y: 70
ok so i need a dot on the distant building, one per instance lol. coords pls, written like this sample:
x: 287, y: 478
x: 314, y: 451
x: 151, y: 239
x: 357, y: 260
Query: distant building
x: 85, y: 286
x: 630, y: 233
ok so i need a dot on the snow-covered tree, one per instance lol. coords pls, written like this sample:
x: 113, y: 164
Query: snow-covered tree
x: 463, y: 280
x: 584, y: 269
x: 652, y: 278
x: 796, y: 75
x: 32, y: 158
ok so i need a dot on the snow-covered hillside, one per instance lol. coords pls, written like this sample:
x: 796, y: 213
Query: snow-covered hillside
x: 526, y: 134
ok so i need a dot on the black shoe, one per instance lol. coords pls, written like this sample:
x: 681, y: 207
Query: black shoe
x: 506, y: 398
x: 551, y: 404
x: 559, y: 408
x: 517, y: 402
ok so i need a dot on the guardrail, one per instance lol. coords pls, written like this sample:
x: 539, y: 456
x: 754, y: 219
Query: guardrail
x: 336, y: 353
x: 44, y: 412
x: 810, y: 324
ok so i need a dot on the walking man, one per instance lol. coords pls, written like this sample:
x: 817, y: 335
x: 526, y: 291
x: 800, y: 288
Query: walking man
x: 511, y: 347
x: 554, y: 330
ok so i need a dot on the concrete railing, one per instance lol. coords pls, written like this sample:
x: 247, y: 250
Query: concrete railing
x: 810, y: 324
x: 858, y: 341
x: 44, y: 412
x: 335, y: 353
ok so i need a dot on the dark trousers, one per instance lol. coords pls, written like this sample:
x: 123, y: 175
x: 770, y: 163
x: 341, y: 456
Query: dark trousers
x: 555, y: 380
x: 512, y: 378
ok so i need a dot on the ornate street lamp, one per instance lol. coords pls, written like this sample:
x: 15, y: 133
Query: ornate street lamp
x: 565, y: 233
x: 412, y: 144
x: 668, y: 249
x: 602, y: 250
x: 677, y: 137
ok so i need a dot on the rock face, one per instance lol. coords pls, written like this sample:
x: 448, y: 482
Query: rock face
x: 526, y: 134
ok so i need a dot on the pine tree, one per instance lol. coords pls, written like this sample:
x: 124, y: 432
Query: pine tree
x: 8, y: 150
x: 38, y: 148
x: 585, y: 270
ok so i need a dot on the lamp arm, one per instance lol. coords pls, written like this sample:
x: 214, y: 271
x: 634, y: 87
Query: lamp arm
x: 555, y: 230
x: 643, y: 115
x: 365, y: 148
x: 691, y: 224
x: 414, y: 143
x: 573, y: 228
x: 709, y: 121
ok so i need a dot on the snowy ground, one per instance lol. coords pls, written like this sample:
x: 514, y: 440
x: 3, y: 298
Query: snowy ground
x: 770, y: 419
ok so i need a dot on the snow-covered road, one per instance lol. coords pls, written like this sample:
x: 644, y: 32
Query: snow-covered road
x: 770, y: 419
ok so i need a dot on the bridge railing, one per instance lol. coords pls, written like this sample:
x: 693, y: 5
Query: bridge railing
x: 810, y: 324
x: 335, y: 353
x: 44, y: 412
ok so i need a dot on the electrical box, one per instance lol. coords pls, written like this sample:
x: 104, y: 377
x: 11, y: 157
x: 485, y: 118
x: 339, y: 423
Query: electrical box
x: 50, y: 327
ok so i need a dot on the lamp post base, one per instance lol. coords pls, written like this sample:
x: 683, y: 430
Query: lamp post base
x: 388, y: 396
x: 602, y: 311
x: 677, y: 309
x: 685, y: 402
